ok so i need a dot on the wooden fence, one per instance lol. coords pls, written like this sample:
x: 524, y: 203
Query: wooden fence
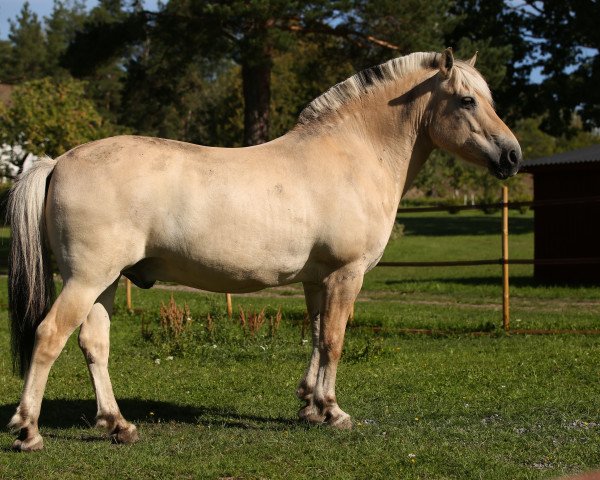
x: 504, y: 261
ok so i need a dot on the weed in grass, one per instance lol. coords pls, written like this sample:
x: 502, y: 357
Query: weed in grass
x: 210, y: 326
x: 174, y: 320
x: 175, y: 328
x: 274, y: 323
x: 242, y: 320
x: 251, y: 322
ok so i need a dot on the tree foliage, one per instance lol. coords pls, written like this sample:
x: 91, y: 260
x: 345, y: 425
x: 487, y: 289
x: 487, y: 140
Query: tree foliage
x: 49, y: 117
x: 190, y: 34
x: 564, y: 43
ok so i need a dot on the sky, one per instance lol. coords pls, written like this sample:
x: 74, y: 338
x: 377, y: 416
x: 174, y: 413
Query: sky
x: 11, y: 8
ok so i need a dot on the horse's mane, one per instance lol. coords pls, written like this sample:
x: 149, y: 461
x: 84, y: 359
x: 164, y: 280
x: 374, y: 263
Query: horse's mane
x: 465, y: 77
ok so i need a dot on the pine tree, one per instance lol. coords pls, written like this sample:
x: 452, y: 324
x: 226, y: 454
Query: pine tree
x: 27, y: 59
x: 60, y: 27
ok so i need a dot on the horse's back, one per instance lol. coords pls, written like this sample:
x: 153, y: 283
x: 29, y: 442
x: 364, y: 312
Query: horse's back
x: 161, y: 207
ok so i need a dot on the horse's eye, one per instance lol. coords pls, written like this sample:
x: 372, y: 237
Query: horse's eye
x: 467, y: 102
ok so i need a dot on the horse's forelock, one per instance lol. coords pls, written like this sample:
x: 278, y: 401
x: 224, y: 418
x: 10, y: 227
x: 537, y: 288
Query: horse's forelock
x: 467, y: 79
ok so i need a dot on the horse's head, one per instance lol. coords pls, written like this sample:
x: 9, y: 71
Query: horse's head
x: 462, y: 120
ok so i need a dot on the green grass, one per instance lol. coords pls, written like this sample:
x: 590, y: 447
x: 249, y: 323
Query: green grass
x: 453, y: 405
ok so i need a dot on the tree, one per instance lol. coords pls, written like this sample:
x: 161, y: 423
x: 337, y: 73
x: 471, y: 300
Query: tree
x: 496, y: 32
x: 100, y: 51
x: 564, y: 42
x: 34, y: 49
x: 49, y: 117
x: 60, y: 27
x: 27, y: 56
x: 253, y: 34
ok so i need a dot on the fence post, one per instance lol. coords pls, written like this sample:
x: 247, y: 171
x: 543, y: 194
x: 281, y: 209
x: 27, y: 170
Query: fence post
x: 229, y: 305
x: 128, y: 294
x: 505, y: 285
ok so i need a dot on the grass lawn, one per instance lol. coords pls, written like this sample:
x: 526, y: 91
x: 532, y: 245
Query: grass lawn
x: 451, y: 405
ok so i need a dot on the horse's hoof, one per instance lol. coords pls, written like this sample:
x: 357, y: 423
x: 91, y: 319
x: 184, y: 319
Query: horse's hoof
x: 341, y: 422
x: 311, y: 415
x: 125, y: 435
x: 33, y: 444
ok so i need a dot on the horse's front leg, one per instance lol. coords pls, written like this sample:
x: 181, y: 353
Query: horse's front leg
x: 94, y: 340
x: 306, y: 388
x: 341, y: 290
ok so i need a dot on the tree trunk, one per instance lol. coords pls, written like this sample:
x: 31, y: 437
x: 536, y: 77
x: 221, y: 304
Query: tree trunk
x: 256, y: 79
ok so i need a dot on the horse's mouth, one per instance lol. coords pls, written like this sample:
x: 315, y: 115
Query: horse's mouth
x: 507, y: 162
x: 499, y: 172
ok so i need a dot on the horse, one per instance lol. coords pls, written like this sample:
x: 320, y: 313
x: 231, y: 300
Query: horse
x: 316, y: 206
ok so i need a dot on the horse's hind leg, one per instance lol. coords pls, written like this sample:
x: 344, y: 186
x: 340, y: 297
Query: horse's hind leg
x: 306, y: 388
x: 94, y: 343
x: 68, y: 312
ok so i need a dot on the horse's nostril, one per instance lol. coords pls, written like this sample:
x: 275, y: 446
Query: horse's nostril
x: 513, y: 158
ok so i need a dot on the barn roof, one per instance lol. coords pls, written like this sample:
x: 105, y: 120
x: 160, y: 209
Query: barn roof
x: 581, y: 155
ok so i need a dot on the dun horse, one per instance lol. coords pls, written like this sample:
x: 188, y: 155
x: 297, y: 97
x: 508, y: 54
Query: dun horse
x: 315, y: 206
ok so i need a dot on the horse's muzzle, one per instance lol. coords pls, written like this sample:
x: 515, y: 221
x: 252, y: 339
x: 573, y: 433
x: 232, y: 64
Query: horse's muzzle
x: 508, y: 162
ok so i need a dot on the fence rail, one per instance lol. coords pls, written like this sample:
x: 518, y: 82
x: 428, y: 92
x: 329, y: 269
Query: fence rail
x: 499, y: 205
x: 496, y: 261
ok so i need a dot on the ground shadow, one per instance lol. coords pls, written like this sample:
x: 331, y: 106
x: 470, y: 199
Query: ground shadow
x: 462, y: 225
x: 63, y: 413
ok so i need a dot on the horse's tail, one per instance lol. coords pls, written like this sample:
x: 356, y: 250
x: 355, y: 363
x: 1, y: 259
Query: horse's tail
x: 30, y: 283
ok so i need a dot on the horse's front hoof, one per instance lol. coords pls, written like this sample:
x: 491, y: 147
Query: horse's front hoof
x: 125, y: 435
x: 32, y: 444
x: 342, y: 421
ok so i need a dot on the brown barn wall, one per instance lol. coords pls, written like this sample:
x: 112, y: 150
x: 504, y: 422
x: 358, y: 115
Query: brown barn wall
x: 570, y: 231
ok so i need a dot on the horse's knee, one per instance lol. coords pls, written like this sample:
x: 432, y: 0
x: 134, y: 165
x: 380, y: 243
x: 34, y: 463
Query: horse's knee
x: 331, y: 348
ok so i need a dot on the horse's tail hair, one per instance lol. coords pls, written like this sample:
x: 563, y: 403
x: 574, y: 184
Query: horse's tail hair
x: 30, y: 284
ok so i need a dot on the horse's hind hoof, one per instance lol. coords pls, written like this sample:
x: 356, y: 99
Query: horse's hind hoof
x: 311, y: 415
x: 125, y: 435
x: 33, y: 444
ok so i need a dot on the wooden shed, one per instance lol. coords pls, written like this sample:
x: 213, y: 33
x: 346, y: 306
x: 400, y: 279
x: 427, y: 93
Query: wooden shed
x: 567, y: 231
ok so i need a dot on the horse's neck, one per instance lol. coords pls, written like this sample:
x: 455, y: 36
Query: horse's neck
x: 391, y: 128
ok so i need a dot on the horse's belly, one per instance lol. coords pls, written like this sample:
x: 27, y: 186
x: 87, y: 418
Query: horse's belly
x: 213, y: 275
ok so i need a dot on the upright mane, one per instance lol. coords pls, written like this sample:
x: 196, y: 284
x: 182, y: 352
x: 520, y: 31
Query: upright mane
x: 464, y: 77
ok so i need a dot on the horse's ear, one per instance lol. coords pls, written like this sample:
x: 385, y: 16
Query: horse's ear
x: 473, y: 60
x: 446, y: 62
